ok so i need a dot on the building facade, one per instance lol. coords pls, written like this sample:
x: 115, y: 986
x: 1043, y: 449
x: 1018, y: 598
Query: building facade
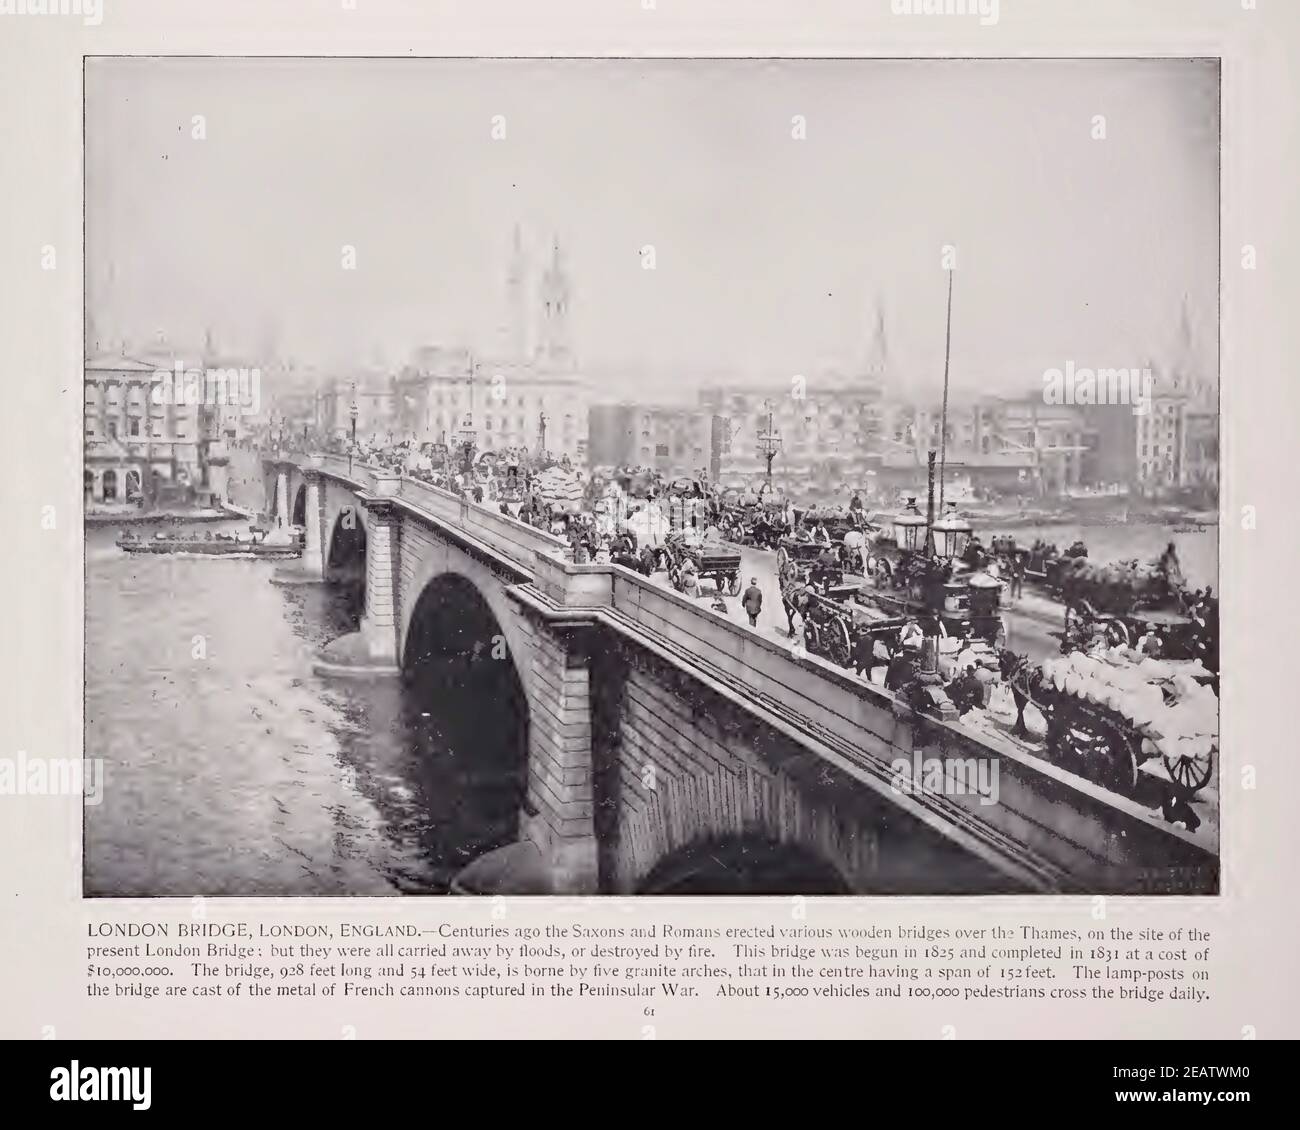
x: 676, y: 440
x: 136, y: 442
x: 527, y: 392
x: 828, y: 431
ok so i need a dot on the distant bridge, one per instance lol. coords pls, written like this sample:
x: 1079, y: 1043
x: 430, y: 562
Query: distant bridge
x: 666, y: 748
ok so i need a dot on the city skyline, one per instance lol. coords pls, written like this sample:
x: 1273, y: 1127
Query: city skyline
x: 772, y: 255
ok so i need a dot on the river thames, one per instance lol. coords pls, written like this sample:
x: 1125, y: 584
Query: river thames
x: 232, y: 769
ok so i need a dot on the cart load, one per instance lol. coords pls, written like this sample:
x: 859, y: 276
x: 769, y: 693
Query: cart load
x: 1150, y: 706
x: 711, y: 560
x: 560, y: 489
x: 1121, y: 587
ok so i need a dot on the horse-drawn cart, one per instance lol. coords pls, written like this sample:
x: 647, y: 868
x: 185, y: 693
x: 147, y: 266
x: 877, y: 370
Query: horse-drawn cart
x: 816, y: 562
x: 713, y: 561
x: 1110, y: 712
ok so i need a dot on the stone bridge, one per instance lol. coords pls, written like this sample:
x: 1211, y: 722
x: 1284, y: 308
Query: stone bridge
x: 664, y: 748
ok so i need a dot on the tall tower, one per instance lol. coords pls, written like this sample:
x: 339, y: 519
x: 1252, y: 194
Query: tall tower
x: 553, y: 334
x: 514, y: 331
x: 877, y: 366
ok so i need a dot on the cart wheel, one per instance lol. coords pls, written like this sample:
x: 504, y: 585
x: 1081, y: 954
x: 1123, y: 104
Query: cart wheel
x: 1098, y: 752
x: 1193, y: 773
x: 838, y: 648
x: 1127, y: 756
x: 733, y: 587
x: 812, y: 637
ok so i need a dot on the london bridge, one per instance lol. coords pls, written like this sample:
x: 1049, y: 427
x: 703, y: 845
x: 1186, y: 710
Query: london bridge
x: 605, y: 673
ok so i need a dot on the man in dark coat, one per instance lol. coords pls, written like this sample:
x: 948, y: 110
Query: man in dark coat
x: 752, y: 601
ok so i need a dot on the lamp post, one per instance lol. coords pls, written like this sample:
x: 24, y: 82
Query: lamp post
x: 467, y: 437
x: 952, y: 533
x: 910, y: 528
x: 769, y: 443
x: 352, y: 414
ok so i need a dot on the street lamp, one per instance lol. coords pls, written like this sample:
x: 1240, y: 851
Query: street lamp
x: 352, y: 415
x: 910, y: 528
x: 467, y: 439
x: 769, y: 443
x: 952, y: 533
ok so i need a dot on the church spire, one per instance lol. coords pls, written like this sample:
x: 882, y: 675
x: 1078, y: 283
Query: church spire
x: 514, y: 330
x: 878, y: 348
x: 554, y: 294
x: 1182, y: 363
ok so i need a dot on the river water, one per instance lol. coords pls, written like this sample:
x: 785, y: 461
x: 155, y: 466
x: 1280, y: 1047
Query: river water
x: 232, y: 769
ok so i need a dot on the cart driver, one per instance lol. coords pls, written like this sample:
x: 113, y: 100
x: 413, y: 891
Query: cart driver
x: 1151, y: 643
x: 910, y: 635
x: 690, y: 579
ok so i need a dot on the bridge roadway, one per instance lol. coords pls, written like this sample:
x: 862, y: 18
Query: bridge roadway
x: 749, y: 736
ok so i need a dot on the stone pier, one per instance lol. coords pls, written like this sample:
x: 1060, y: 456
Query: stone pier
x: 373, y: 648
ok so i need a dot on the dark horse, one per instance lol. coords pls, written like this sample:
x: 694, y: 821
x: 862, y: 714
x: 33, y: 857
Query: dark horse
x: 643, y: 562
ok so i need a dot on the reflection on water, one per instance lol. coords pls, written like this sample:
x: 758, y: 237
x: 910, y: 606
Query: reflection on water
x: 232, y: 769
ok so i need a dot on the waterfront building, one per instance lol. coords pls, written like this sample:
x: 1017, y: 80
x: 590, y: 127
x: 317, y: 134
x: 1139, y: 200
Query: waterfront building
x: 135, y: 443
x: 675, y: 440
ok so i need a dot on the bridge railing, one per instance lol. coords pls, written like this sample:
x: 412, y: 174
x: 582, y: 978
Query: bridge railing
x: 1103, y: 841
x: 516, y: 540
x: 341, y: 467
x: 507, y: 536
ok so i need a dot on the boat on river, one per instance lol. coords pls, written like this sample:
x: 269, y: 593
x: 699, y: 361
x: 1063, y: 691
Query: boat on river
x: 220, y: 545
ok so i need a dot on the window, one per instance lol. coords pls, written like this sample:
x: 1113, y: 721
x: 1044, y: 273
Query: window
x: 135, y: 427
x: 661, y: 450
x: 112, y: 429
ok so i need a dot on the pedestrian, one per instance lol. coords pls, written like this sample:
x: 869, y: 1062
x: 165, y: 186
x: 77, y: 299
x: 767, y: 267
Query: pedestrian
x: 752, y: 602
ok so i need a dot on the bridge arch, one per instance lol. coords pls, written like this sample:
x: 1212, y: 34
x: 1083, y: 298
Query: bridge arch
x: 466, y: 685
x: 750, y: 864
x: 298, y: 513
x: 429, y: 563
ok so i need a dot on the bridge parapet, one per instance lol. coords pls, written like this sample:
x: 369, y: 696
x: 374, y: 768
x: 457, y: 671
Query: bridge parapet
x: 504, y: 534
x: 1048, y: 828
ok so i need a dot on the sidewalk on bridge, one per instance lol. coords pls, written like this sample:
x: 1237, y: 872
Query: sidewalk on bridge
x: 1036, y: 607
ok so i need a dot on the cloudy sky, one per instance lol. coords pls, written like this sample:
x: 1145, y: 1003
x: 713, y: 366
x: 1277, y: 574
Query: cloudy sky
x: 770, y: 252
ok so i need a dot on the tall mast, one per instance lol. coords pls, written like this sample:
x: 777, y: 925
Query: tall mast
x: 943, y: 417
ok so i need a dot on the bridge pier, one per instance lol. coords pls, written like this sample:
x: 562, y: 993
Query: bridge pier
x: 372, y: 649
x: 559, y: 814
x: 282, y: 513
x: 310, y: 568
